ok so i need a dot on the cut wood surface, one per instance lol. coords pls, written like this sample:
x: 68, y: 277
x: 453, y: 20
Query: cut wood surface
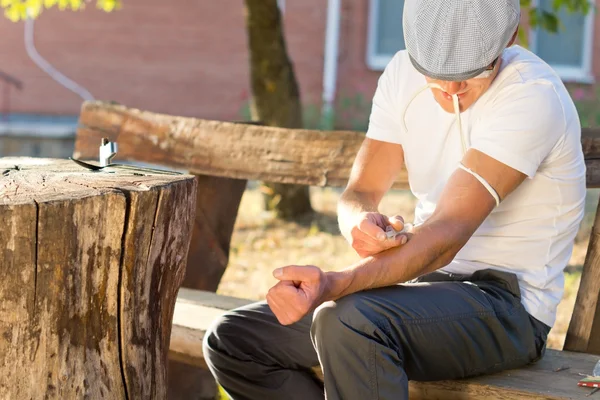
x: 242, y: 151
x: 196, y: 310
x: 91, y: 263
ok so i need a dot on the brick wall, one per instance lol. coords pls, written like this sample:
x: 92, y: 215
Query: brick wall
x: 186, y: 57
x: 356, y: 82
x: 181, y: 57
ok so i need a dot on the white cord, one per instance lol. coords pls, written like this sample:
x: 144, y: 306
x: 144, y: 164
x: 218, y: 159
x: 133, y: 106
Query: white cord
x: 463, y: 140
x: 418, y: 92
x: 48, y: 68
x: 454, y: 103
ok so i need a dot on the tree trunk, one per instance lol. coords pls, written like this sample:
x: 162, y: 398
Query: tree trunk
x: 90, y: 266
x: 275, y: 95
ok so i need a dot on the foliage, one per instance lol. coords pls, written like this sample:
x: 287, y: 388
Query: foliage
x: 549, y: 19
x: 351, y: 113
x: 17, y: 10
x: 588, y: 107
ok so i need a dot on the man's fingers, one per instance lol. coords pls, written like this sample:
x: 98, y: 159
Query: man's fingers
x: 298, y: 273
x: 397, y: 222
x: 400, y: 239
x: 359, y: 236
x: 287, y: 302
x: 395, y: 241
x: 371, y: 229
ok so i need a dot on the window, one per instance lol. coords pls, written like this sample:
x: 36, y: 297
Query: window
x: 569, y: 51
x: 385, y: 36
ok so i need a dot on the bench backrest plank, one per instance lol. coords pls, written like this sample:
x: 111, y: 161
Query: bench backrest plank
x: 225, y: 149
x: 317, y: 158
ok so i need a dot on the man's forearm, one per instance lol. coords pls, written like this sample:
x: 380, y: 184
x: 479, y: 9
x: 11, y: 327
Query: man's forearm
x: 432, y: 246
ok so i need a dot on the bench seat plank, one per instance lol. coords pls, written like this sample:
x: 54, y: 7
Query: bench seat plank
x: 195, y: 310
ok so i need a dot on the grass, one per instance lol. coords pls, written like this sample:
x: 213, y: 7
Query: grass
x: 261, y: 243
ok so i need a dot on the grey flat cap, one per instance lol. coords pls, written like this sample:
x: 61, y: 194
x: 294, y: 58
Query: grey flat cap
x: 455, y: 40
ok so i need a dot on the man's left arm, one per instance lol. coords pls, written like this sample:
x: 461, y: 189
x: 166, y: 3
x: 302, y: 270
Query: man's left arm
x: 463, y: 206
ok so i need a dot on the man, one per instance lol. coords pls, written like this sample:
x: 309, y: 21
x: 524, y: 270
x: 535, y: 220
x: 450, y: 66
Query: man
x: 491, y: 142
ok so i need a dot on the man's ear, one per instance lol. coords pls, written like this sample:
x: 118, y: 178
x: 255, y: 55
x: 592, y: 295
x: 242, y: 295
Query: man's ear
x: 514, y: 37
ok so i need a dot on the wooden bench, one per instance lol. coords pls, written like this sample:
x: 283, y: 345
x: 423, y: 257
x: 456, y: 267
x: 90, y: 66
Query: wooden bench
x: 224, y: 155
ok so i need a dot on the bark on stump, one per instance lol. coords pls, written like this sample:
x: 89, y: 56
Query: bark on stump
x: 90, y: 266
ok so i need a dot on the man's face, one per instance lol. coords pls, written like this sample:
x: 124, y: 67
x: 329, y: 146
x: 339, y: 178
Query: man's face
x: 468, y: 91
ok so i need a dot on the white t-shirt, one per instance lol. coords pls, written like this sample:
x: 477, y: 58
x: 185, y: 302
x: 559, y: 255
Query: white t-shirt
x: 526, y: 120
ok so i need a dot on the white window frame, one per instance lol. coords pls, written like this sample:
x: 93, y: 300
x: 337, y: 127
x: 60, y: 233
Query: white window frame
x: 569, y: 73
x: 375, y: 61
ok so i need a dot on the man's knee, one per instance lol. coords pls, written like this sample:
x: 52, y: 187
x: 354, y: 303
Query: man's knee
x: 240, y: 334
x: 349, y: 318
x: 220, y: 330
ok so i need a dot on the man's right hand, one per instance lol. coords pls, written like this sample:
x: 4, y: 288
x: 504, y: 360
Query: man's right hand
x: 369, y: 237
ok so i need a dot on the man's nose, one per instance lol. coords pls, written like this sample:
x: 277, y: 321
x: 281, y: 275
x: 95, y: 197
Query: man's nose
x: 452, y: 87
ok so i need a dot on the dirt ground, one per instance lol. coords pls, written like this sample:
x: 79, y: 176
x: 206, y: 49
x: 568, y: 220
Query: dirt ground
x: 261, y: 243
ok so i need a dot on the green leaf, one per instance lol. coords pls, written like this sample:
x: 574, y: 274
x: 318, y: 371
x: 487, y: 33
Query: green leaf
x: 16, y: 10
x: 556, y: 4
x: 34, y: 7
x: 549, y: 21
x: 75, y: 4
x: 523, y: 40
x: 109, y: 5
x: 525, y: 3
x: 534, y: 17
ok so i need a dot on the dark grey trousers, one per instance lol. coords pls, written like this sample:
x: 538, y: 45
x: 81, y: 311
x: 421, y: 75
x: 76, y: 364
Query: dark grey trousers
x: 371, y: 343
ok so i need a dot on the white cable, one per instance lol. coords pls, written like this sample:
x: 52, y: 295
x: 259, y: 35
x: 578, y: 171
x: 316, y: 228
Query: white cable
x: 463, y: 141
x: 457, y: 114
x: 454, y: 103
x: 48, y: 68
x: 429, y: 85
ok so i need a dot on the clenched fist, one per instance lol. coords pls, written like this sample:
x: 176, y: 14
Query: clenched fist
x: 301, y: 289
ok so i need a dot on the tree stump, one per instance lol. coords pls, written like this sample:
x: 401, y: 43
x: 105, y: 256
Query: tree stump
x: 90, y: 266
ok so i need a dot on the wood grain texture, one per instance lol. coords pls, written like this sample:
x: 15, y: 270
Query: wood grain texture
x: 590, y: 142
x: 241, y: 151
x: 68, y: 300
x: 154, y: 267
x: 135, y: 292
x: 309, y: 157
x: 196, y: 310
x: 584, y: 329
x: 17, y: 294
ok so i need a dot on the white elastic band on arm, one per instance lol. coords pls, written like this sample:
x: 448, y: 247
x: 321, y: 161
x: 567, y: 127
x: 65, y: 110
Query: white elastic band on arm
x: 483, y: 182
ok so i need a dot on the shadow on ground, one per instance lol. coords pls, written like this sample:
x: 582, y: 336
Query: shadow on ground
x: 190, y: 383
